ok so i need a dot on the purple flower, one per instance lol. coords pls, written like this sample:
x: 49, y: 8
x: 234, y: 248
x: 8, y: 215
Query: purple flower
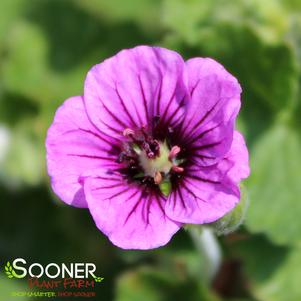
x: 149, y: 146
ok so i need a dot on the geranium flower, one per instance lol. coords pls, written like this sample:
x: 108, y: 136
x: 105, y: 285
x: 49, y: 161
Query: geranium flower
x: 149, y: 146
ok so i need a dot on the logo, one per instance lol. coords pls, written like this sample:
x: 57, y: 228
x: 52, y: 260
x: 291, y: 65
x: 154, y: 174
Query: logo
x: 9, y: 270
x: 60, y: 280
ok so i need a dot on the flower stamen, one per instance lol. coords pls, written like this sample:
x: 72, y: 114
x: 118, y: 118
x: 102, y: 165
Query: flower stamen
x: 128, y: 133
x: 149, y: 160
x: 158, y: 178
x: 177, y: 169
x: 174, y: 152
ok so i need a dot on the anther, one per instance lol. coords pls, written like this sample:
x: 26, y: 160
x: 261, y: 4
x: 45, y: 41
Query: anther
x: 174, y: 152
x: 177, y: 169
x: 128, y: 133
x: 158, y: 177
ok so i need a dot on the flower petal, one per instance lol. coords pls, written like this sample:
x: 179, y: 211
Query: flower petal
x: 207, y: 193
x: 198, y: 201
x: 129, y: 89
x: 130, y: 216
x: 215, y: 101
x: 75, y: 146
x: 239, y: 157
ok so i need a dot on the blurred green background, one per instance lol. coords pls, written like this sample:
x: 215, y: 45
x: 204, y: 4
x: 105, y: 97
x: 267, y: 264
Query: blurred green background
x: 46, y: 49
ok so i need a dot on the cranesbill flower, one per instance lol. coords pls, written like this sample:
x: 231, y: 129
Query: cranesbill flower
x: 150, y: 145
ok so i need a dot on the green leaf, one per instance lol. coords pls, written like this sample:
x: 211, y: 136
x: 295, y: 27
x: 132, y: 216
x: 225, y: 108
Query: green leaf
x: 24, y: 162
x: 144, y: 13
x: 284, y: 284
x: 190, y: 17
x: 274, y: 185
x: 27, y: 71
x: 273, y: 272
x: 10, y: 11
x: 184, y: 17
x: 150, y: 284
x: 25, y: 66
x: 246, y: 37
x: 268, y: 73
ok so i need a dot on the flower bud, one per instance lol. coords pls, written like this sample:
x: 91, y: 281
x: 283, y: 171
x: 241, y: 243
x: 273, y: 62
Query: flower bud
x: 232, y: 220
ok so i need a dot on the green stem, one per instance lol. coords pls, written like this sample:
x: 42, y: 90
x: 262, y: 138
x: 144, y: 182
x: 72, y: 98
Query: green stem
x: 208, y: 246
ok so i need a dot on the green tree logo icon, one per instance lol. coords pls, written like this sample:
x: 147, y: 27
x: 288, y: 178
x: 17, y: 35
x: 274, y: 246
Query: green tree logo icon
x: 98, y: 279
x: 10, y: 273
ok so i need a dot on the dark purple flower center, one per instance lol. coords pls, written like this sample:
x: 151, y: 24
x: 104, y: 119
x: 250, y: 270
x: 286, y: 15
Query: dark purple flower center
x: 149, y: 160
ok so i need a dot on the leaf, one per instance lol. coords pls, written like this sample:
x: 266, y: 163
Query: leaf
x: 150, y: 284
x: 185, y: 17
x: 274, y: 185
x: 246, y: 37
x: 253, y: 61
x: 10, y: 11
x: 273, y: 272
x: 27, y: 71
x: 24, y: 163
x: 189, y: 18
x: 119, y: 10
x: 284, y: 284
x: 23, y: 66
